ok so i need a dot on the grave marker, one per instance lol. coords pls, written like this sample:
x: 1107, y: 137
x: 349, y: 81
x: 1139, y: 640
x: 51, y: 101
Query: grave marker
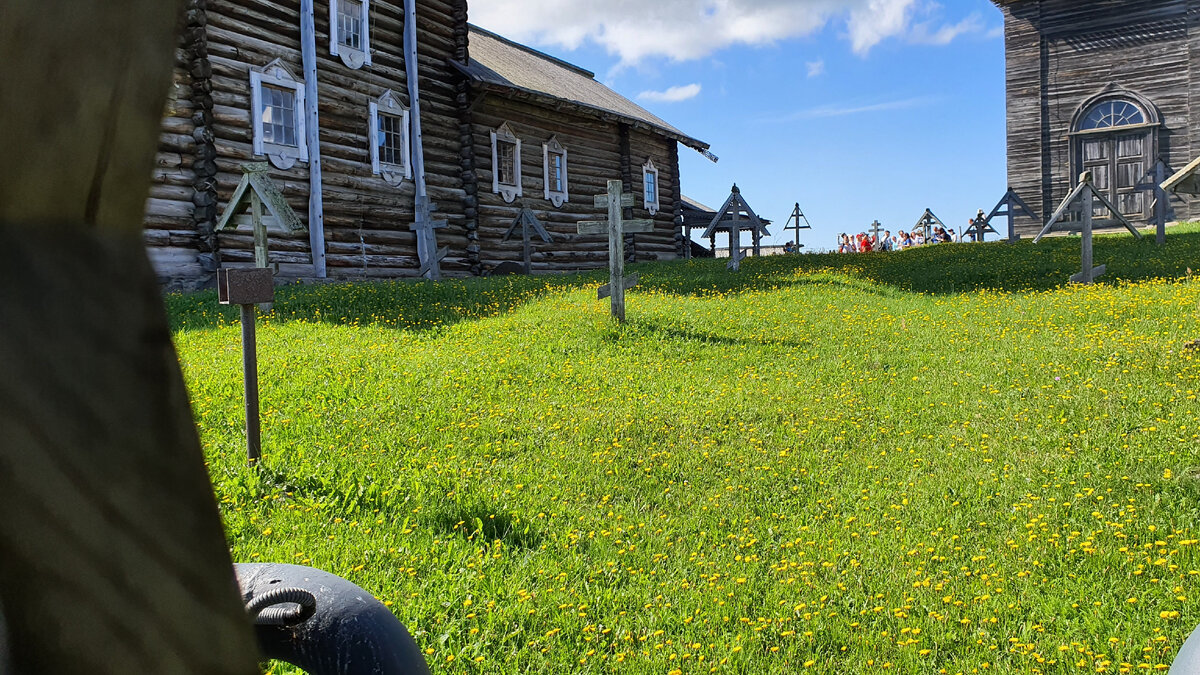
x: 1157, y: 176
x: 255, y: 191
x: 979, y: 226
x: 427, y: 249
x: 734, y: 208
x: 616, y: 227
x: 246, y: 288
x: 527, y: 221
x: 1011, y: 206
x: 796, y: 217
x: 926, y: 222
x: 1086, y: 192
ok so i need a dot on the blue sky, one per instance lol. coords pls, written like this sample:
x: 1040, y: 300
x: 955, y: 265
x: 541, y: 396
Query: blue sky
x: 857, y: 109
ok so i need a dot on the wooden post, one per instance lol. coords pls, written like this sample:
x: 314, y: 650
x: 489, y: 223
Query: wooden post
x: 1087, y: 274
x: 250, y: 387
x: 616, y: 227
x: 1160, y: 205
x: 312, y: 131
x: 112, y: 554
x: 260, y: 231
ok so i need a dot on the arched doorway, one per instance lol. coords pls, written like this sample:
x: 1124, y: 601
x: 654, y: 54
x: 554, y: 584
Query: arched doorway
x: 1115, y: 136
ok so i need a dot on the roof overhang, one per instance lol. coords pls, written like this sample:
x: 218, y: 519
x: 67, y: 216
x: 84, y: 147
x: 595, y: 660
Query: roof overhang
x: 576, y: 106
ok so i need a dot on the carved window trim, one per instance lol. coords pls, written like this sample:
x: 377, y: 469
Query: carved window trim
x: 353, y: 57
x: 551, y: 149
x: 651, y: 196
x: 394, y: 173
x: 275, y: 74
x: 509, y: 191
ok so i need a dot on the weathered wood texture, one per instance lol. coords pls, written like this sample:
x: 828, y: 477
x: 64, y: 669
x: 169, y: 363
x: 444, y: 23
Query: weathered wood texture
x: 112, y: 555
x: 594, y: 158
x: 1061, y: 53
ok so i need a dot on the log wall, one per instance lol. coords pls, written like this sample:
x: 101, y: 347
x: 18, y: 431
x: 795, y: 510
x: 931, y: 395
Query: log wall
x: 207, y: 137
x: 1060, y: 53
x: 594, y: 156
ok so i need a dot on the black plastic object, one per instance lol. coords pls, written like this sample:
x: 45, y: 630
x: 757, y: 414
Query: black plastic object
x: 346, y: 631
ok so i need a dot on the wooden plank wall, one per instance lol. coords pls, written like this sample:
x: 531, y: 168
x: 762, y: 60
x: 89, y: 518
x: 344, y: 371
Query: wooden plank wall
x: 593, y: 158
x: 1061, y: 53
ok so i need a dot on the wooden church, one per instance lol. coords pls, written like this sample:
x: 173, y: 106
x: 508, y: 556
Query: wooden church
x: 405, y: 140
x: 1105, y: 86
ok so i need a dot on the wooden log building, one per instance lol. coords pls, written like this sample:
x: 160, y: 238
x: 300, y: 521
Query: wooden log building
x: 359, y: 117
x: 1105, y: 86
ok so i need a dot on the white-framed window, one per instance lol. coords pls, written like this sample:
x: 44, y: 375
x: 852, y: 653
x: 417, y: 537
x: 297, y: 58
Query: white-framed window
x: 350, y: 31
x: 277, y: 115
x: 390, y: 154
x: 650, y: 186
x: 554, y: 170
x: 506, y: 163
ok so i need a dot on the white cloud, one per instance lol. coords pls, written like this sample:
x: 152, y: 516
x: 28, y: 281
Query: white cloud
x: 637, y: 30
x: 846, y: 109
x: 672, y: 95
x: 816, y: 68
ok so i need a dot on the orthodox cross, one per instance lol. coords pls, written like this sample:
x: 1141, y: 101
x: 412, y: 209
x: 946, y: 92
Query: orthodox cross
x: 731, y: 215
x: 616, y: 227
x: 876, y: 229
x: 1011, y: 206
x: 796, y: 217
x: 255, y: 192
x: 427, y: 249
x: 1157, y: 175
x: 926, y: 222
x: 527, y: 221
x: 1086, y: 192
x: 979, y: 226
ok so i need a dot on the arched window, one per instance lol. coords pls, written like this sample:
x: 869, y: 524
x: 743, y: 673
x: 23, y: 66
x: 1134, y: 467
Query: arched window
x: 1114, y: 136
x: 1109, y: 114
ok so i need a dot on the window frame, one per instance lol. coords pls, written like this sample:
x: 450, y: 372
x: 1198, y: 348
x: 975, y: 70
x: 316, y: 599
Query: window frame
x: 277, y: 75
x: 556, y: 197
x: 352, y: 57
x: 508, y: 191
x: 387, y: 104
x: 648, y: 169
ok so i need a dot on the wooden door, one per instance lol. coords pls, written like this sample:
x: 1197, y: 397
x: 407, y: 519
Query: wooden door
x: 1117, y: 163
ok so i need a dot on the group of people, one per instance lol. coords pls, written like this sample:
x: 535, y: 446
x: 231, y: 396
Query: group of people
x: 863, y: 242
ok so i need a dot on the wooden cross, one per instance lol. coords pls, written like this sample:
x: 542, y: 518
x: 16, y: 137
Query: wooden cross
x: 1157, y: 175
x: 616, y: 227
x: 1011, y: 206
x: 733, y: 208
x: 1185, y: 181
x: 876, y: 228
x: 796, y: 217
x: 1086, y: 192
x: 427, y: 249
x: 926, y: 223
x: 255, y: 191
x: 527, y: 221
x: 979, y: 226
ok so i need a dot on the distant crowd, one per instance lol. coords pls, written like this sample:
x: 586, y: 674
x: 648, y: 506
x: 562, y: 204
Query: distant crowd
x: 863, y: 242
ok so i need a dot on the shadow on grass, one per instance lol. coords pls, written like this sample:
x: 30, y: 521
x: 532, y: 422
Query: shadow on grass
x: 941, y: 269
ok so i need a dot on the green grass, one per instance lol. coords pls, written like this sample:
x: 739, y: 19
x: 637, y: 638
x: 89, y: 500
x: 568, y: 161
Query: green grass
x: 933, y: 460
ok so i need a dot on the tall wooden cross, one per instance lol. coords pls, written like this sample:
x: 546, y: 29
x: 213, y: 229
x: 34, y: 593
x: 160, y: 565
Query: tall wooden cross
x: 876, y: 229
x: 1011, y: 206
x: 527, y: 221
x: 427, y: 249
x: 1086, y: 193
x: 616, y: 227
x: 733, y: 209
x: 796, y: 217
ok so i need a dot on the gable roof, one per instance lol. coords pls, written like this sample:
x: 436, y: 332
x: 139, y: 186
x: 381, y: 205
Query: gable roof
x: 498, y: 63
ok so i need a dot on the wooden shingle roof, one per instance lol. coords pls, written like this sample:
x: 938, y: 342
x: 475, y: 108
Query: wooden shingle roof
x: 500, y: 64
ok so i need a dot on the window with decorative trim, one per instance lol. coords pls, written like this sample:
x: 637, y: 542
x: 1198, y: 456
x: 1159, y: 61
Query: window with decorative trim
x: 350, y: 31
x: 390, y: 154
x: 650, y: 186
x: 506, y: 163
x: 277, y: 115
x: 554, y: 163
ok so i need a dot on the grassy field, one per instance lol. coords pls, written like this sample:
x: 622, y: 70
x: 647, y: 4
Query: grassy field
x: 937, y: 460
